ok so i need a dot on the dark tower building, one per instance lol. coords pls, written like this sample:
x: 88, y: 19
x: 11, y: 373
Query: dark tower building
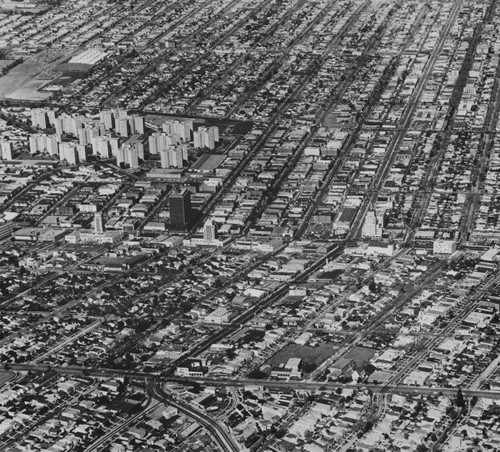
x: 181, y: 215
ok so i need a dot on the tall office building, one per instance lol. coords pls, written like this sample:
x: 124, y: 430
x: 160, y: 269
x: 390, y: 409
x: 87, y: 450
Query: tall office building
x: 98, y: 223
x: 181, y: 215
x: 209, y: 231
x: 373, y: 225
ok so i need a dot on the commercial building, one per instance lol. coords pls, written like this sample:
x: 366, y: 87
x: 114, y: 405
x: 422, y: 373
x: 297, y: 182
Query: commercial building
x: 443, y: 246
x: 181, y: 215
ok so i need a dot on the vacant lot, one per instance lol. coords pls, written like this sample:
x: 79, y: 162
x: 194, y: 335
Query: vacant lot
x: 310, y: 355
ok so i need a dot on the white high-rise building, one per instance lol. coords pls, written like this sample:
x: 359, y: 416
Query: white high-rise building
x: 108, y: 119
x: 33, y: 144
x: 52, y: 144
x: 215, y: 131
x: 98, y: 223
x: 7, y: 149
x: 84, y: 136
x: 157, y: 142
x: 138, y: 122
x: 39, y: 118
x: 122, y: 127
x: 115, y: 145
x: 209, y: 231
x: 68, y: 152
x: 82, y: 153
x: 373, y: 225
x: 100, y: 145
x: 172, y: 157
x: 51, y: 115
x: 104, y: 148
x: 37, y: 142
x: 140, y: 150
x: 205, y: 138
x: 181, y: 128
x: 128, y: 155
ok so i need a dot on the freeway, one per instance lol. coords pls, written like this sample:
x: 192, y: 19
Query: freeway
x: 219, y: 433
x: 292, y: 385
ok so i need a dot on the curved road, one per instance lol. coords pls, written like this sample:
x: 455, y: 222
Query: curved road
x: 221, y: 436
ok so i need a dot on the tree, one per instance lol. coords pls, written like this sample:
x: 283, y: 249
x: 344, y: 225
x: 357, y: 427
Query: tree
x: 257, y: 374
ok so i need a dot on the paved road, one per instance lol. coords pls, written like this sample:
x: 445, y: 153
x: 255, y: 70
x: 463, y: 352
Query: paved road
x: 404, y: 124
x: 218, y: 432
x: 242, y: 382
